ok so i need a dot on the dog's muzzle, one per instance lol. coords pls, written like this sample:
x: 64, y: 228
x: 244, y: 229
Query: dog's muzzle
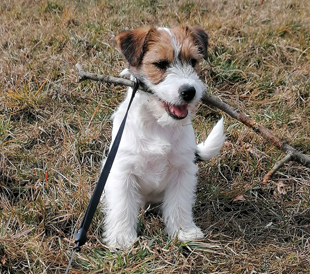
x: 179, y: 112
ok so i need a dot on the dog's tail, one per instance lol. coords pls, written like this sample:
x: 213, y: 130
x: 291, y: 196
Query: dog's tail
x: 213, y: 144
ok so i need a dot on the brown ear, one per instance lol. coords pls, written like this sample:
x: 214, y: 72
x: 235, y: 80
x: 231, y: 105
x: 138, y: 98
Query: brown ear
x: 131, y: 44
x: 201, y: 40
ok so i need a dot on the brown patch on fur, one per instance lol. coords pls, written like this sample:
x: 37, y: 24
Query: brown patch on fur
x: 159, y: 48
x: 201, y: 40
x: 131, y: 44
x: 189, y: 48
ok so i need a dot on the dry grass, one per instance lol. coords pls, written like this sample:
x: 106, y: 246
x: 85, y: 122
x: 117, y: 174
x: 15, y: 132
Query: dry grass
x: 53, y: 132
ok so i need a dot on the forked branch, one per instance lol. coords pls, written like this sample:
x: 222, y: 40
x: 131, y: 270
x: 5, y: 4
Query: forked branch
x: 295, y: 155
x: 277, y: 166
x: 292, y: 153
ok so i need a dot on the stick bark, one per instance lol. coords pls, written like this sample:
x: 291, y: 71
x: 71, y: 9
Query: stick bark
x: 209, y: 99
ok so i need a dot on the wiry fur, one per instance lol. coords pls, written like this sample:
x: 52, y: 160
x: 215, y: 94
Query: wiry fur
x: 155, y: 160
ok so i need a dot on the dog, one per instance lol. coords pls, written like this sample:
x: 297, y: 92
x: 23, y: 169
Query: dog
x: 155, y: 163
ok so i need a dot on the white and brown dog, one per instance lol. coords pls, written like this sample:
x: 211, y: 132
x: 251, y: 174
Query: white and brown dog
x: 155, y: 162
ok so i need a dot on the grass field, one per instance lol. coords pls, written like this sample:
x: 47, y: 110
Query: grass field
x: 55, y: 131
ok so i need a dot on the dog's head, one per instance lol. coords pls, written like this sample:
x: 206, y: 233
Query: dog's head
x: 167, y: 61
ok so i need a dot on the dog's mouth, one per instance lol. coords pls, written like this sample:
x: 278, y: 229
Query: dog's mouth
x: 177, y: 112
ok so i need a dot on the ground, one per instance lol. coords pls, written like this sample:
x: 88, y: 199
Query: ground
x: 54, y: 132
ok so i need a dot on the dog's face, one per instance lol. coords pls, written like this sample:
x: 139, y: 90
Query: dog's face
x: 167, y: 61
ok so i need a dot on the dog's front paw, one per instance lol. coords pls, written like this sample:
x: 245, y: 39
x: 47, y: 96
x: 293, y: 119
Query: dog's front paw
x: 122, y: 241
x: 190, y: 234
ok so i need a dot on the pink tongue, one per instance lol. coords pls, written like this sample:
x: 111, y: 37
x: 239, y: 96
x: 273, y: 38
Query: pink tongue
x: 180, y: 111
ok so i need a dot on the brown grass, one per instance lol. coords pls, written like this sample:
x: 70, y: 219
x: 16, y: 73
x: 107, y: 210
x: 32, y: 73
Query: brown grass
x: 54, y: 131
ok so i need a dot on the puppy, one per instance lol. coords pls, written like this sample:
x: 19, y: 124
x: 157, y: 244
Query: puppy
x: 155, y: 162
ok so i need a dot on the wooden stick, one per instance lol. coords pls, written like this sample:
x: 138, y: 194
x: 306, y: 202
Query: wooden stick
x: 84, y: 75
x: 259, y: 129
x: 276, y: 167
x: 209, y: 99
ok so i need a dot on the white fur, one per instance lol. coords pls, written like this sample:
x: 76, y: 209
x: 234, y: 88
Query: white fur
x: 155, y: 161
x: 213, y: 144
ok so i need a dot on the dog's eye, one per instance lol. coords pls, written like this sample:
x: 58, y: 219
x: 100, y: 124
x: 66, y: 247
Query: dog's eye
x: 193, y: 62
x: 162, y: 64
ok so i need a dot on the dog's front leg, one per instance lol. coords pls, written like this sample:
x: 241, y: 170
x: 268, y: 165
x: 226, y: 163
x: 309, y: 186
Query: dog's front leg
x: 177, y: 205
x: 121, y: 205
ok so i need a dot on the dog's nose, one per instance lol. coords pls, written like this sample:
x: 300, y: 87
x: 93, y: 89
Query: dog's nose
x: 187, y: 92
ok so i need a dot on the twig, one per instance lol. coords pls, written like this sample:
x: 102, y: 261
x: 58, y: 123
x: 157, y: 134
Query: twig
x: 209, y: 99
x: 259, y: 129
x: 277, y: 166
x: 84, y: 75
